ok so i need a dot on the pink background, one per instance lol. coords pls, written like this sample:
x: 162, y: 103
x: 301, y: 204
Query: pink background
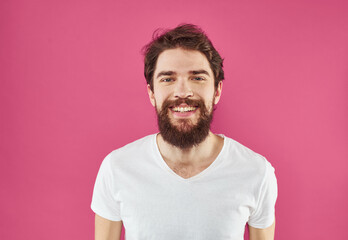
x: 72, y: 90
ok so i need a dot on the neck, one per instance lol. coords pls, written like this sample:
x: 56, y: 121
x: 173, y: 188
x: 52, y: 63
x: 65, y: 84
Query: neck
x: 205, y: 151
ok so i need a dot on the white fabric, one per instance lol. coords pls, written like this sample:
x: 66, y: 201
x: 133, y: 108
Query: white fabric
x: 136, y: 186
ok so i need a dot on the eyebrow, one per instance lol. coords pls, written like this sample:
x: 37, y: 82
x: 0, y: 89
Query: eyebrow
x: 197, y: 72
x: 165, y: 73
x: 171, y: 73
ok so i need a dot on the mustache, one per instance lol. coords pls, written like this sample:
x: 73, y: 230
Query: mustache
x: 175, y: 103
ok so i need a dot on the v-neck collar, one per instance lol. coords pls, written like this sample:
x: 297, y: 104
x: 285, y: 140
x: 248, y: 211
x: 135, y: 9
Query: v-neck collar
x: 163, y: 164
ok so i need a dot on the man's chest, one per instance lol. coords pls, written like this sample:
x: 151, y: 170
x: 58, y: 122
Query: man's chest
x: 187, y: 170
x: 184, y: 209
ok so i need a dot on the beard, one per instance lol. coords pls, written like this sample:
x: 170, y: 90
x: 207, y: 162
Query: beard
x: 184, y: 134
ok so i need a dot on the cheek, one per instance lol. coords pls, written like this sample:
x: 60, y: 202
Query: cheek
x: 160, y: 93
x: 159, y: 103
x: 208, y: 96
x: 160, y: 97
x: 209, y: 102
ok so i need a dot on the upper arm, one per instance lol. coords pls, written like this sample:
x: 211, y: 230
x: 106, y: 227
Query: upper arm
x: 262, y: 233
x: 106, y: 229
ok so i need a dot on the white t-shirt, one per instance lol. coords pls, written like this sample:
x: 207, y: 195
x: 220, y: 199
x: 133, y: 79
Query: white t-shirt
x: 136, y: 186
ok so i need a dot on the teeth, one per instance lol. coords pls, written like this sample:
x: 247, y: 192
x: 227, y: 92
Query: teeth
x: 184, y: 109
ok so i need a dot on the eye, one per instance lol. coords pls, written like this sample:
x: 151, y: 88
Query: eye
x: 167, y: 80
x: 198, y: 78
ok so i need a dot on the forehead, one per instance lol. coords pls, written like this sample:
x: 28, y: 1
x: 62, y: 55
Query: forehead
x: 181, y: 61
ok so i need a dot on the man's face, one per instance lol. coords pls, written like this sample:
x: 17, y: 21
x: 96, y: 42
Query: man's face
x: 184, y: 96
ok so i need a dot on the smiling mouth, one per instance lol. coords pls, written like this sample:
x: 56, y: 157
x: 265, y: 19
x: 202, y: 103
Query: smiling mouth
x: 183, y: 109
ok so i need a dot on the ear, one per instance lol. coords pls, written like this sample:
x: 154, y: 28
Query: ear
x: 151, y: 95
x: 218, y: 93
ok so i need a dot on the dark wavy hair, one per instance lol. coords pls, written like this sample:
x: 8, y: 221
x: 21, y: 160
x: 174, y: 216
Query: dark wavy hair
x: 186, y: 36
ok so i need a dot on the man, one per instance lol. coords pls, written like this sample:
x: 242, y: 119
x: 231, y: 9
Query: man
x: 184, y: 183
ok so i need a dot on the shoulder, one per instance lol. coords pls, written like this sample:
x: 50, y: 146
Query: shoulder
x: 246, y: 159
x: 132, y: 151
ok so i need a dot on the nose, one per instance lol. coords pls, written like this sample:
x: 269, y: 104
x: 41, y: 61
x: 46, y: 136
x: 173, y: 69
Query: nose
x: 182, y: 89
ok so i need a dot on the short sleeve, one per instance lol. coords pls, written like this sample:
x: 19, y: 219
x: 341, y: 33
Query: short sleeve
x: 263, y: 215
x: 104, y: 201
